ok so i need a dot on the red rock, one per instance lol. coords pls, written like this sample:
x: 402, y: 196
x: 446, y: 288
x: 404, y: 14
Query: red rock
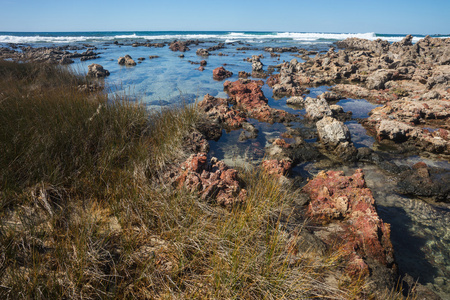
x: 220, y: 73
x: 347, y: 202
x: 248, y: 96
x: 276, y: 167
x: 282, y: 143
x: 214, y: 180
x: 179, y: 46
x: 218, y: 108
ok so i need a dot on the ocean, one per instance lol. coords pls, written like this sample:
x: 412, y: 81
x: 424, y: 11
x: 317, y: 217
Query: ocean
x: 420, y: 232
x: 224, y: 36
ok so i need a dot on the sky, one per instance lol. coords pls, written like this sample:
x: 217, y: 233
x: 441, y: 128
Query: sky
x: 337, y: 16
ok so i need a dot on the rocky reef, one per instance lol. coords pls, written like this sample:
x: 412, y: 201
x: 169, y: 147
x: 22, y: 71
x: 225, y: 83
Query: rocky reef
x: 412, y: 80
x: 347, y: 208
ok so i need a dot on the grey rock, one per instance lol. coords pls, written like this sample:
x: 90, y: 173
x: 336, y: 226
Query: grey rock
x: 96, y: 70
x: 332, y: 131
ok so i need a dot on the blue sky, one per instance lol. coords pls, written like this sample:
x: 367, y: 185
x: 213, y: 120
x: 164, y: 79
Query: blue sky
x: 402, y: 16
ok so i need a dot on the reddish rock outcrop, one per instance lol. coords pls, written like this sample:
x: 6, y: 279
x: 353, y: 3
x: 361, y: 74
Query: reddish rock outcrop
x: 248, y: 96
x: 212, y: 180
x: 348, y: 207
x: 220, y: 73
x: 276, y: 167
x: 217, y: 110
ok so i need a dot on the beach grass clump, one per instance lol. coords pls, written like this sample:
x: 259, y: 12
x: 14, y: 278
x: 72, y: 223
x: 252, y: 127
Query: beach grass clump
x: 54, y: 132
x: 84, y: 214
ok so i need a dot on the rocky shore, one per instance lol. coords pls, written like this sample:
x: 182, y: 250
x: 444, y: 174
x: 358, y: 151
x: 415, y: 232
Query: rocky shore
x: 410, y: 81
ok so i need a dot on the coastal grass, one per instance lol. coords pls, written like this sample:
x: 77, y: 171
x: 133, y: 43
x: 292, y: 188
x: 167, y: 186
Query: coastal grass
x: 85, y: 215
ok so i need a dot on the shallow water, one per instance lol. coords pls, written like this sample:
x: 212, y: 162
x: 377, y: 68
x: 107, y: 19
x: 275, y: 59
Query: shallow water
x: 420, y: 231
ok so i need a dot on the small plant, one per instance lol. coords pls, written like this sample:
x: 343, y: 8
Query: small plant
x: 400, y: 92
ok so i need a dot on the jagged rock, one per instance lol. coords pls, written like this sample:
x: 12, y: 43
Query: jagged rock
x: 317, y: 108
x: 378, y: 79
x: 296, y: 100
x: 248, y: 96
x: 297, y: 152
x: 96, y: 70
x: 181, y: 46
x: 126, y: 61
x: 277, y: 168
x: 202, y: 52
x: 216, y: 47
x: 332, y: 131
x: 65, y: 61
x: 422, y: 180
x: 220, y: 73
x: 335, y: 136
x: 331, y: 96
x: 249, y: 132
x: 243, y: 74
x: 218, y: 111
x: 213, y: 180
x: 195, y: 142
x: 354, y: 226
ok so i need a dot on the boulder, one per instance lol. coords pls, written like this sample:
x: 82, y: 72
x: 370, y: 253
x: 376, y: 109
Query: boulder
x: 295, y: 152
x: 126, y: 61
x: 96, y: 70
x: 335, y: 137
x: 202, y: 52
x: 296, y: 100
x: 317, y: 108
x: 394, y: 130
x: 424, y: 181
x: 220, y: 73
x: 332, y: 131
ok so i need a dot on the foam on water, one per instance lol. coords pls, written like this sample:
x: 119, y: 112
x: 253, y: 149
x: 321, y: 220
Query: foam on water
x: 64, y: 37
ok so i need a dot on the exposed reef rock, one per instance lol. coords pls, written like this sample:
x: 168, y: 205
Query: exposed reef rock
x: 413, y: 80
x: 213, y: 180
x: 182, y: 46
x: 126, y: 61
x: 422, y: 123
x: 335, y: 136
x: 248, y: 96
x: 424, y: 181
x: 277, y: 168
x: 296, y: 152
x: 218, y: 111
x: 354, y: 227
x: 53, y: 55
x: 220, y: 73
x: 202, y: 52
x: 96, y: 70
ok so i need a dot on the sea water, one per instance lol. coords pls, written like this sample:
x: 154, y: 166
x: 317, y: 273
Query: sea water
x: 420, y: 232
